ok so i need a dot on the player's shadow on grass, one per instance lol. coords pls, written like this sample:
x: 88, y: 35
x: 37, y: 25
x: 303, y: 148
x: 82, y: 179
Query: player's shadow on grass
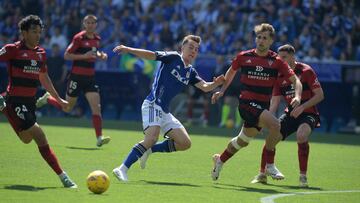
x: 295, y: 187
x: 83, y: 148
x: 244, y: 188
x: 169, y: 183
x: 27, y: 188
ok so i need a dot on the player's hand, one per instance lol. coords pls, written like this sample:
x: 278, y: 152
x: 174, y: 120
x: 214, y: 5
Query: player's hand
x: 219, y: 80
x: 216, y: 96
x: 295, y: 102
x: 297, y: 111
x: 121, y: 49
x: 102, y: 55
x: 90, y: 55
x: 63, y: 103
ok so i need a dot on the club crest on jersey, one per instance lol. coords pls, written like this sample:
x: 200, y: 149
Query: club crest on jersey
x: 33, y: 63
x: 40, y: 56
x: 24, y: 55
x: 270, y: 62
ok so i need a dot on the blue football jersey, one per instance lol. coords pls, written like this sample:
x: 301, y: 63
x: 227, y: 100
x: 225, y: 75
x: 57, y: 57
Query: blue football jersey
x: 171, y: 78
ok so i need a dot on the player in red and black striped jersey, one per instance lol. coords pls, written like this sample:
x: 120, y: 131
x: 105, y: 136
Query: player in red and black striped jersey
x: 301, y: 119
x: 259, y: 69
x: 26, y: 63
x: 83, y: 51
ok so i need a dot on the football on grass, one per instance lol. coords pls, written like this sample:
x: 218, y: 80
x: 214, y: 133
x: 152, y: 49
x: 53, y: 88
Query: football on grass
x: 98, y: 182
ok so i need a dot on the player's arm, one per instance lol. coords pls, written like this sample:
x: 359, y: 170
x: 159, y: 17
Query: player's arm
x: 209, y: 86
x: 318, y: 96
x: 48, y: 85
x: 298, y: 91
x: 274, y: 104
x: 229, y: 76
x: 141, y: 53
x: 72, y: 57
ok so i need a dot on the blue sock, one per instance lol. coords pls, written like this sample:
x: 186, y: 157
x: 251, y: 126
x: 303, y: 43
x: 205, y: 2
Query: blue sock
x: 166, y: 146
x: 137, y: 151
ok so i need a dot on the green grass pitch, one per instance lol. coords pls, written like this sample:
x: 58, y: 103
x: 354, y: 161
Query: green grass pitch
x: 334, y: 167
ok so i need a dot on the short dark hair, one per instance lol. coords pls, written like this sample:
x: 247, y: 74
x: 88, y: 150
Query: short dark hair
x: 287, y: 48
x: 26, y: 23
x: 265, y: 27
x: 194, y: 38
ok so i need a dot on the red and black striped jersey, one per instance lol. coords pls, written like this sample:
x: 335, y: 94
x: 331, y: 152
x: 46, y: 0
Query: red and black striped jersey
x: 309, y: 81
x: 80, y: 45
x: 258, y: 74
x: 24, y: 66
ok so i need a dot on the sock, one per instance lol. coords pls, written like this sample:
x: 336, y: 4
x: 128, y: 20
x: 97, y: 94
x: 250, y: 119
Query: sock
x: 225, y: 156
x: 167, y: 145
x: 49, y: 156
x: 269, y: 156
x: 303, y: 155
x: 97, y: 123
x: 225, y: 113
x: 137, y: 151
x: 52, y: 101
x: 237, y: 119
x: 263, y: 160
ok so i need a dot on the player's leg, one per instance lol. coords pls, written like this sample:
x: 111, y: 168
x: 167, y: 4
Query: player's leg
x: 151, y: 137
x: 95, y: 106
x: 302, y: 135
x: 288, y: 126
x: 235, y: 144
x: 267, y: 120
x: 47, y: 153
x: 151, y: 118
x: 177, y: 138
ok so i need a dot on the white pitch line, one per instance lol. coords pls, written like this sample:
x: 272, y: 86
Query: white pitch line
x: 270, y: 199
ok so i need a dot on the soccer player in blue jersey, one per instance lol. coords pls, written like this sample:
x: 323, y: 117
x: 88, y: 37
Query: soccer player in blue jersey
x: 173, y: 75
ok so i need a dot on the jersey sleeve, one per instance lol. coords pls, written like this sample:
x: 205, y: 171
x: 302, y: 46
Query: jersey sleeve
x: 236, y: 63
x: 312, y: 80
x: 7, y: 52
x: 284, y: 68
x: 164, y: 56
x: 194, y: 77
x: 276, y: 89
x: 74, y: 45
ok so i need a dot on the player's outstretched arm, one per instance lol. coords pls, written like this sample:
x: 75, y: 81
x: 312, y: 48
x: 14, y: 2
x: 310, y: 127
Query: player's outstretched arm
x: 48, y: 85
x: 141, y: 53
x: 229, y: 76
x: 209, y: 86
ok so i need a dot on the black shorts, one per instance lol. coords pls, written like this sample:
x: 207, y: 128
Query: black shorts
x: 250, y: 111
x: 78, y: 84
x: 21, y: 116
x: 289, y: 124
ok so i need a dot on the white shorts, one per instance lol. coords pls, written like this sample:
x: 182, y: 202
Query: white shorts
x: 153, y: 115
